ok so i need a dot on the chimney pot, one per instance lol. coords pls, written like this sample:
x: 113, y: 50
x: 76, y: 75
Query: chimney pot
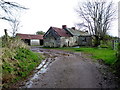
x: 64, y: 26
x: 73, y: 28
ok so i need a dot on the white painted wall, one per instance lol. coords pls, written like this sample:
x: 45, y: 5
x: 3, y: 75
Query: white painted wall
x: 35, y: 42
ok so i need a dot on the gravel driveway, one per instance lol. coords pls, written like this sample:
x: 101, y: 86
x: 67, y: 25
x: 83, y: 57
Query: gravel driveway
x: 70, y: 70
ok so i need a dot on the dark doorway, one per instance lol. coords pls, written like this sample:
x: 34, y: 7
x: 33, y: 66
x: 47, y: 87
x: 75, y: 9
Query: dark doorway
x: 41, y: 42
x: 68, y: 43
x: 27, y: 41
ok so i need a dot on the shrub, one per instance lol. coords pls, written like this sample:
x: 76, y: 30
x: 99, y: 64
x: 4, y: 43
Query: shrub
x: 13, y: 43
x: 17, y: 61
x: 119, y: 51
x: 103, y: 46
x: 106, y: 44
x: 117, y: 64
x: 23, y: 63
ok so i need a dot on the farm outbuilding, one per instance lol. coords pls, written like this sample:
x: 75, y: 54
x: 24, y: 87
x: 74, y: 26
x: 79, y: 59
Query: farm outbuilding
x: 31, y: 39
x: 85, y: 40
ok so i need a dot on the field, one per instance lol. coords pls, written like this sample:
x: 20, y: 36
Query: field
x: 107, y: 55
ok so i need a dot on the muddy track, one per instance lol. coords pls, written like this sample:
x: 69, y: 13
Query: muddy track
x: 69, y: 70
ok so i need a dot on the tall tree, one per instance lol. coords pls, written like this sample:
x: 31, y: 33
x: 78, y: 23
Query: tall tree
x: 10, y: 11
x: 97, y: 16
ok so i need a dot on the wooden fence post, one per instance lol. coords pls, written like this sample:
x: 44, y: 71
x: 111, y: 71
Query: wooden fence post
x: 113, y: 44
x: 6, y: 37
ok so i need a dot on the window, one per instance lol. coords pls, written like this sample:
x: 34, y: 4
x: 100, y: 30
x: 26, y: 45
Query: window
x: 84, y: 39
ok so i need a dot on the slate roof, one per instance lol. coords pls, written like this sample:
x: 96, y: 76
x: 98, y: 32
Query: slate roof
x: 61, y: 32
x: 29, y: 36
x: 67, y: 32
x: 76, y: 32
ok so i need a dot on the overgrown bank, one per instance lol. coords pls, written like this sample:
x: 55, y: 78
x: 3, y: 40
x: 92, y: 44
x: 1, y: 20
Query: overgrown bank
x: 17, y: 61
x: 117, y: 63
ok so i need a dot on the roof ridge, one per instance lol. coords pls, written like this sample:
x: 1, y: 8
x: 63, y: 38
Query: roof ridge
x: 29, y: 36
x: 25, y: 34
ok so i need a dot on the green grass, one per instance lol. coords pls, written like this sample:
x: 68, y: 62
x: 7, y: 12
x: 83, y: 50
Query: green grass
x: 20, y: 66
x: 107, y: 55
x: 17, y: 61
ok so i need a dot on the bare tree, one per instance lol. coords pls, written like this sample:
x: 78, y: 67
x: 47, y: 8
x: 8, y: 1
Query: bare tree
x: 97, y: 16
x: 10, y: 11
x: 15, y: 26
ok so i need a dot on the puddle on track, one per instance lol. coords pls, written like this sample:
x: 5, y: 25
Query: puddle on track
x: 43, y: 67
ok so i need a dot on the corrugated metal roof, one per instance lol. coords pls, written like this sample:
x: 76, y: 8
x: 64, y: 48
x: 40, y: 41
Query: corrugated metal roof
x: 61, y: 32
x: 29, y: 36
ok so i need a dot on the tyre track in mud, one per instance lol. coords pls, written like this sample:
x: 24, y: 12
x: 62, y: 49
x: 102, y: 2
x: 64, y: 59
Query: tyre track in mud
x: 63, y: 69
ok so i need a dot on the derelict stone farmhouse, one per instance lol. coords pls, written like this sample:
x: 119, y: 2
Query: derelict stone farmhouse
x: 65, y: 37
x: 59, y: 37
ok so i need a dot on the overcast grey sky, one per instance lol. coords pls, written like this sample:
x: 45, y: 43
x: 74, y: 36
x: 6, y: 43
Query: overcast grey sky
x: 45, y: 13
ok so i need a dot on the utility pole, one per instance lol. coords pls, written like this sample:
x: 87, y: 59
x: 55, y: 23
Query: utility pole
x: 118, y: 56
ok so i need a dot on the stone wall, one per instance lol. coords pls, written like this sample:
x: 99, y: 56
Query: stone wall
x: 85, y: 41
x: 51, y: 42
x: 60, y: 42
x: 68, y: 41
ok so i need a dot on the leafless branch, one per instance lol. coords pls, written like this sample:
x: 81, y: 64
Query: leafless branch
x: 98, y: 16
x: 10, y: 11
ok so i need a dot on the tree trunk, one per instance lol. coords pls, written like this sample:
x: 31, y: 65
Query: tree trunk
x: 97, y: 41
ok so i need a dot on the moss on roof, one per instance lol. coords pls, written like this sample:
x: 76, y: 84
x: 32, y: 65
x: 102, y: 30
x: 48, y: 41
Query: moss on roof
x: 77, y: 32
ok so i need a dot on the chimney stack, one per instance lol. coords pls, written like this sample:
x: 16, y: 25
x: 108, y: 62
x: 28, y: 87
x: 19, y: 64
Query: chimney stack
x: 73, y: 28
x: 64, y: 26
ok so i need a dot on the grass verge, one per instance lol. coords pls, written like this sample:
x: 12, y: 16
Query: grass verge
x: 19, y: 66
x: 107, y: 55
